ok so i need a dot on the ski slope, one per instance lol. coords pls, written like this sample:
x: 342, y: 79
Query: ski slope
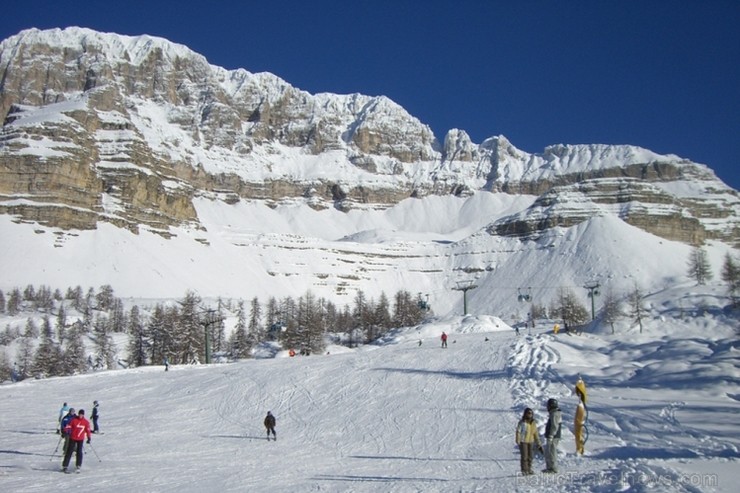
x: 394, y: 417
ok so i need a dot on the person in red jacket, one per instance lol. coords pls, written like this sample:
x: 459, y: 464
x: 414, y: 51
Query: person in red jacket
x: 444, y: 339
x: 77, y: 429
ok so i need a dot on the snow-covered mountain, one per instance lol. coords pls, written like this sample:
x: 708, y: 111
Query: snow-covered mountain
x: 121, y: 156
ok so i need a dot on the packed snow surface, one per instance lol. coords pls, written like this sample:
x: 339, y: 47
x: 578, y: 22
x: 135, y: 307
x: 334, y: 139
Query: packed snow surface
x: 402, y: 415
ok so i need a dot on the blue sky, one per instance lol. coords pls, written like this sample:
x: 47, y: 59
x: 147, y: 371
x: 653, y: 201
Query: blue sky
x: 664, y: 75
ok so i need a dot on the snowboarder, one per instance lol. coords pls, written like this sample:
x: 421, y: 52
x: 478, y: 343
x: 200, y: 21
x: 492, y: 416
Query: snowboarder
x: 270, y: 425
x: 95, y: 417
x: 444, y: 339
x: 552, y: 433
x: 62, y: 412
x: 581, y: 413
x: 77, y: 428
x: 526, y: 438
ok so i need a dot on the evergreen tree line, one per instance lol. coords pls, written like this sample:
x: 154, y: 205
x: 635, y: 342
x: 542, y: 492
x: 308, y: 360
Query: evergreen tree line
x: 180, y: 332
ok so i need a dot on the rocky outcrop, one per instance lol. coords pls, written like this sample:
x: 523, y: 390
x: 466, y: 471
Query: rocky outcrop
x: 638, y: 203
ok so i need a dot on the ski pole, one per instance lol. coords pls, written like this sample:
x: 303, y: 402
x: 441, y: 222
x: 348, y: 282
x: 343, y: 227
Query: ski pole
x: 56, y: 448
x: 94, y: 452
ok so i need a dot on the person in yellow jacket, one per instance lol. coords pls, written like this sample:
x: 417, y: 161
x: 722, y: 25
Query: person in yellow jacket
x: 580, y: 421
x: 526, y: 438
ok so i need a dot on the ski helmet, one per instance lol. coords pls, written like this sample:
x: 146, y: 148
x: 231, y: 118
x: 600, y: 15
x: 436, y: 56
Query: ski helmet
x: 552, y: 404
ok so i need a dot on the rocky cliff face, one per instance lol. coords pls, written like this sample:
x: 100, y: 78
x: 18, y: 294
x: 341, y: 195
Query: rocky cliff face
x: 101, y: 127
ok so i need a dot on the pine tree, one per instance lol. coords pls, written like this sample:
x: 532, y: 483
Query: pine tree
x: 47, y: 360
x: 105, y: 350
x: 74, y: 359
x: 76, y: 297
x: 611, y: 311
x: 731, y: 275
x: 382, y: 315
x: 31, y: 331
x: 160, y: 335
x: 24, y: 357
x: 239, y: 341
x: 699, y: 267
x: 637, y: 309
x: 570, y: 309
x: 6, y: 370
x: 61, y: 323
x: 310, y: 327
x: 138, y: 341
x: 118, y: 322
x: 105, y: 297
x: 190, y: 334
x: 218, y: 329
x: 14, y: 302
x: 29, y: 294
x: 255, y: 318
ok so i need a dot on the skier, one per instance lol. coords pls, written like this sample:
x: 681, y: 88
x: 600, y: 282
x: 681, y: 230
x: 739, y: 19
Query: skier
x: 63, y: 425
x: 580, y: 420
x: 270, y: 425
x: 444, y: 339
x: 62, y: 412
x: 166, y: 364
x: 552, y: 433
x: 526, y: 438
x: 95, y: 417
x: 77, y: 428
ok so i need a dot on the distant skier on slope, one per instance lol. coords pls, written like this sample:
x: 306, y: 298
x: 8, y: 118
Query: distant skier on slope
x: 444, y: 340
x: 270, y: 426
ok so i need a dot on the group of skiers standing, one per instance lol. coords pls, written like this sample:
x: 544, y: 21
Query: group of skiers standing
x: 74, y: 428
x: 528, y: 437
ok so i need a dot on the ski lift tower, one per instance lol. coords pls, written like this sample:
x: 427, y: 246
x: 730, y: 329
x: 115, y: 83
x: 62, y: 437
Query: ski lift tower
x: 210, y: 317
x: 465, y: 286
x: 524, y: 295
x: 593, y: 291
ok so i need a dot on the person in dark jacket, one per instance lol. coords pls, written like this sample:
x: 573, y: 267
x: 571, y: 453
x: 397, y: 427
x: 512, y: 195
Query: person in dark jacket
x: 552, y: 433
x: 71, y: 414
x: 270, y: 425
x: 95, y: 417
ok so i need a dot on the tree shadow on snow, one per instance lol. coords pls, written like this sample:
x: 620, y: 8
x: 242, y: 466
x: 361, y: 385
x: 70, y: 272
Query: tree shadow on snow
x: 634, y: 452
x: 239, y: 437
x: 374, y: 479
x: 425, y: 459
x: 17, y: 452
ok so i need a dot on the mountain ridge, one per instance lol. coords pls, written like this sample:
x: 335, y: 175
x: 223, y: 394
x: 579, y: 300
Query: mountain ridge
x: 142, y: 138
